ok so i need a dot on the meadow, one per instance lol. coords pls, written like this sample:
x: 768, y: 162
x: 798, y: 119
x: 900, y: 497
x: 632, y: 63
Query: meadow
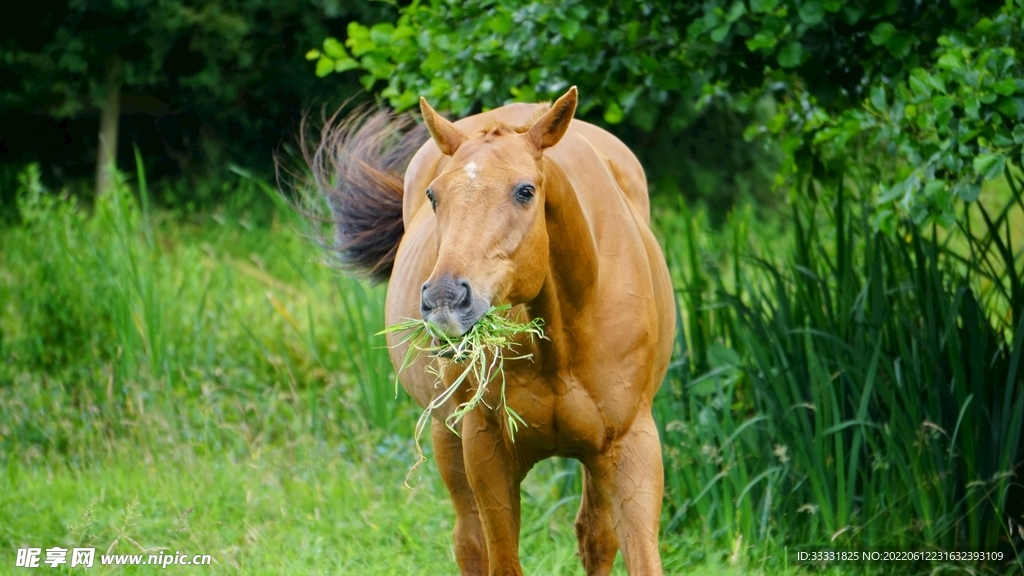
x: 209, y: 383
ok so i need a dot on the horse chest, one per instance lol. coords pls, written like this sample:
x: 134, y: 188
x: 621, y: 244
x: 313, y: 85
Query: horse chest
x: 564, y: 415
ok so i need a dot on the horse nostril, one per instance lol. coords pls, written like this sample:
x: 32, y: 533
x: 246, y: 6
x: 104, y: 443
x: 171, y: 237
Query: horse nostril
x: 425, y: 304
x: 466, y: 299
x: 446, y: 292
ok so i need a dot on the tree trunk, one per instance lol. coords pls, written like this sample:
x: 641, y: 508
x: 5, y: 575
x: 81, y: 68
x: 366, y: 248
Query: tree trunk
x: 110, y: 115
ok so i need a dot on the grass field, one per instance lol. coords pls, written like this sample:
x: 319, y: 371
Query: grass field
x: 304, y: 507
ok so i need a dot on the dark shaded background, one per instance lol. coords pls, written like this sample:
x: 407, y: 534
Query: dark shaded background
x: 230, y: 88
x: 195, y: 98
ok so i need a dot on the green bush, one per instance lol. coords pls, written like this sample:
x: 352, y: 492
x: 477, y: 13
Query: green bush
x: 859, y: 391
x: 108, y: 314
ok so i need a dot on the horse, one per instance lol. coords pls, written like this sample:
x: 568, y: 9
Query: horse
x: 526, y: 206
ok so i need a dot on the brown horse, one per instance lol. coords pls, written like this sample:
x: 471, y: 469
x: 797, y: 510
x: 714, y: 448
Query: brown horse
x: 526, y: 206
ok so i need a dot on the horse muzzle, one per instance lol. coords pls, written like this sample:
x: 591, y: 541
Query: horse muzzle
x: 451, y: 305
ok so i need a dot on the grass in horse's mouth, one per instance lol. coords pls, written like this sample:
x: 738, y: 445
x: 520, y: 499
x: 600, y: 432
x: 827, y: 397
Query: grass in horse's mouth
x: 481, y: 352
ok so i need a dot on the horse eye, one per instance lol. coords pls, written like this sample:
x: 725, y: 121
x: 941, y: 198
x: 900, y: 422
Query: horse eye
x: 433, y: 202
x: 524, y: 193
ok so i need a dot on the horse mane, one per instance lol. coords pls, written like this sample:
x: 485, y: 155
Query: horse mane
x: 358, y: 164
x: 499, y: 128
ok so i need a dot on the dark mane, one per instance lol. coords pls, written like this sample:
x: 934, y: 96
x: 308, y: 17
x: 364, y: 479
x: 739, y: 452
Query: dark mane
x: 358, y: 165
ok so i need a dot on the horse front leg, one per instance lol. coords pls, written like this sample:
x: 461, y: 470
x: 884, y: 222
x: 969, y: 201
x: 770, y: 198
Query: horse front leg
x: 631, y: 476
x: 470, y: 550
x: 595, y: 530
x: 495, y: 475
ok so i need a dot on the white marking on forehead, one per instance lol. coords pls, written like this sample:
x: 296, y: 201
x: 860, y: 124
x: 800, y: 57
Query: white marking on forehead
x: 472, y: 170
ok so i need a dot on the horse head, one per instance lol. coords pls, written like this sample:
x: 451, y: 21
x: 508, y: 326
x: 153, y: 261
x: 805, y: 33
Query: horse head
x: 488, y: 202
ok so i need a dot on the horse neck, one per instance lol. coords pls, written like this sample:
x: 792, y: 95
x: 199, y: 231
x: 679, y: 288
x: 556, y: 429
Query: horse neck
x: 569, y: 288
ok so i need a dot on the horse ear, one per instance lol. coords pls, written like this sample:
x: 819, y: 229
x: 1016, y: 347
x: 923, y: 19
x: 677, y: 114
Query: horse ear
x: 547, y: 131
x: 446, y: 135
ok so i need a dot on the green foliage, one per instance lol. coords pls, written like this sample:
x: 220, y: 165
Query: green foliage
x: 634, y: 58
x: 333, y: 58
x: 863, y: 390
x: 203, y: 84
x: 461, y: 55
x: 950, y: 125
x: 632, y: 69
x: 68, y: 68
x: 933, y: 88
x: 121, y: 305
x: 930, y: 101
x: 834, y: 50
x: 60, y: 323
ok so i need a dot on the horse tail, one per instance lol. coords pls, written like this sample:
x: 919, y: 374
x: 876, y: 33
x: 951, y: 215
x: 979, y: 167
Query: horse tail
x: 358, y: 166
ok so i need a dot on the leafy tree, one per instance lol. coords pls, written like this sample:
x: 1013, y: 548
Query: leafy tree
x: 522, y: 51
x: 658, y: 63
x: 93, y: 50
x: 517, y: 50
x: 229, y: 64
x: 634, y: 54
x: 952, y: 123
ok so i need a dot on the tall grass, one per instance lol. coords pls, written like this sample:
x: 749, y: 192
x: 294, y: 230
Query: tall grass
x: 861, y: 390
x: 110, y: 310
